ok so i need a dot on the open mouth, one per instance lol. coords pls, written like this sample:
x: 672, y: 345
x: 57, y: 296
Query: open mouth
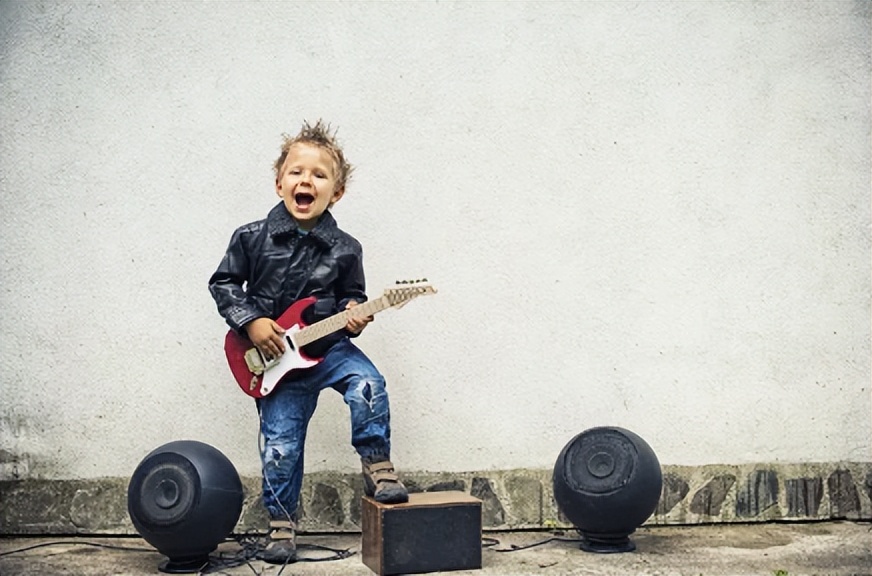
x: 303, y: 200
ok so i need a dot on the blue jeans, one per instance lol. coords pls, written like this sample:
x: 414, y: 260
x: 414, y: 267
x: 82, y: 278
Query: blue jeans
x: 285, y: 415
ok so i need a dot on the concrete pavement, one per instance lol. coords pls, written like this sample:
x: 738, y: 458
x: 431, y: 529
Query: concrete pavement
x: 833, y: 548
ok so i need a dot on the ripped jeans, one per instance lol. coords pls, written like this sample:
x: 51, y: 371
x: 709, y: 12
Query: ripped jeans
x: 286, y: 412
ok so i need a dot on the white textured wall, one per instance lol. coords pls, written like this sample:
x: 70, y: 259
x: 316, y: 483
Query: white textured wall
x: 654, y: 215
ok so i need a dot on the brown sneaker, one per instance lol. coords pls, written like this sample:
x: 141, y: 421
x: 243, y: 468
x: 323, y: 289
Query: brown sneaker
x: 282, y: 546
x: 382, y: 483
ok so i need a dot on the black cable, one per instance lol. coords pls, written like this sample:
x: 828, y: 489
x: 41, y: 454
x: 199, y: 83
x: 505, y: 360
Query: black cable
x: 225, y: 560
x: 489, y: 542
x: 75, y: 543
x: 337, y: 554
x: 251, y: 544
x: 249, y: 547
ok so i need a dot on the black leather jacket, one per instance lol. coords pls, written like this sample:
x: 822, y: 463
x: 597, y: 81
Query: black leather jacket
x: 270, y: 264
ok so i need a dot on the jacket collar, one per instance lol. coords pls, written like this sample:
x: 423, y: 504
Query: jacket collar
x: 280, y: 223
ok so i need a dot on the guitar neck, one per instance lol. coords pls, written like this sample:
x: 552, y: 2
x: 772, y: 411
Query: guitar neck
x: 338, y: 321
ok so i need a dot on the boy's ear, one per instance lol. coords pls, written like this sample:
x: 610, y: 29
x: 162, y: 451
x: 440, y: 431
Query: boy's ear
x: 337, y: 195
x: 278, y: 188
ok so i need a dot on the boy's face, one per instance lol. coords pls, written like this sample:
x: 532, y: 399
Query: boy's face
x: 307, y: 183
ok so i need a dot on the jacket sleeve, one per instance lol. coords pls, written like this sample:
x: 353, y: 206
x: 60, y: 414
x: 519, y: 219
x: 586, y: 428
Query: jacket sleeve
x: 227, y: 285
x: 352, y: 283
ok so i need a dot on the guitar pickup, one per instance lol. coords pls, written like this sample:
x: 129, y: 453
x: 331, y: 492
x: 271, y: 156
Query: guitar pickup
x: 256, y: 363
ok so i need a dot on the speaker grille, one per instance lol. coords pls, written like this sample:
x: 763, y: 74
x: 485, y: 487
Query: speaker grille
x: 600, y: 461
x: 164, y: 490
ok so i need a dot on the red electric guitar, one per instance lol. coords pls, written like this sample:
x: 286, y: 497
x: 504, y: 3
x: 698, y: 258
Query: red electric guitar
x: 258, y: 376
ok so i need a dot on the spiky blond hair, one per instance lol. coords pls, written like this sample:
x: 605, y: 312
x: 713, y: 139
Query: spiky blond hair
x: 322, y: 136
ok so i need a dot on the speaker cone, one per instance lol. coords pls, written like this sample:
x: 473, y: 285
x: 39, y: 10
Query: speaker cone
x: 166, y: 491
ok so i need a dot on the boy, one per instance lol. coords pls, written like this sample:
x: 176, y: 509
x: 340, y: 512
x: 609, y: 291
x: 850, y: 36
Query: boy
x: 295, y: 252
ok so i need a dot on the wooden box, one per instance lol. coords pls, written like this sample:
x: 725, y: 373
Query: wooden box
x: 432, y: 532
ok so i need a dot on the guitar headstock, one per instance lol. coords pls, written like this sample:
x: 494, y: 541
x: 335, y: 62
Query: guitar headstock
x: 405, y: 290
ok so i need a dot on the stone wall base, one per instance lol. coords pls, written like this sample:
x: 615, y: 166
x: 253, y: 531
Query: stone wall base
x: 512, y: 499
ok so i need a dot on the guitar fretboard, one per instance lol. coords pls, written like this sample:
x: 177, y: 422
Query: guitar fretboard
x: 338, y: 321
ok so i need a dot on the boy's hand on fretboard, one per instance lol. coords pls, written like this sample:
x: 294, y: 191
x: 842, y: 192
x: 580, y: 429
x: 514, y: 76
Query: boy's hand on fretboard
x: 356, y: 325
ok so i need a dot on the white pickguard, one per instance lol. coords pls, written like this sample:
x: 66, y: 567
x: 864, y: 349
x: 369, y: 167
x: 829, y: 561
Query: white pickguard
x: 290, y: 360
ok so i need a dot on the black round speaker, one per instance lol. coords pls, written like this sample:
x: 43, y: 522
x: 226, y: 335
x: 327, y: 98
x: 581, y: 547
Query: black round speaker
x: 184, y: 498
x: 607, y: 482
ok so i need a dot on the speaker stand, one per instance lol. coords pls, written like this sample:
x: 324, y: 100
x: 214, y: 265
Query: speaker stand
x: 606, y: 543
x: 184, y: 566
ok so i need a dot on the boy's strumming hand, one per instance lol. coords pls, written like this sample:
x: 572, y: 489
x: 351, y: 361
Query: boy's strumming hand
x: 356, y: 325
x: 266, y: 334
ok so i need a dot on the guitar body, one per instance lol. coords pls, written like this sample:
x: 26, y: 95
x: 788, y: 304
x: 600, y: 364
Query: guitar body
x: 236, y: 346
